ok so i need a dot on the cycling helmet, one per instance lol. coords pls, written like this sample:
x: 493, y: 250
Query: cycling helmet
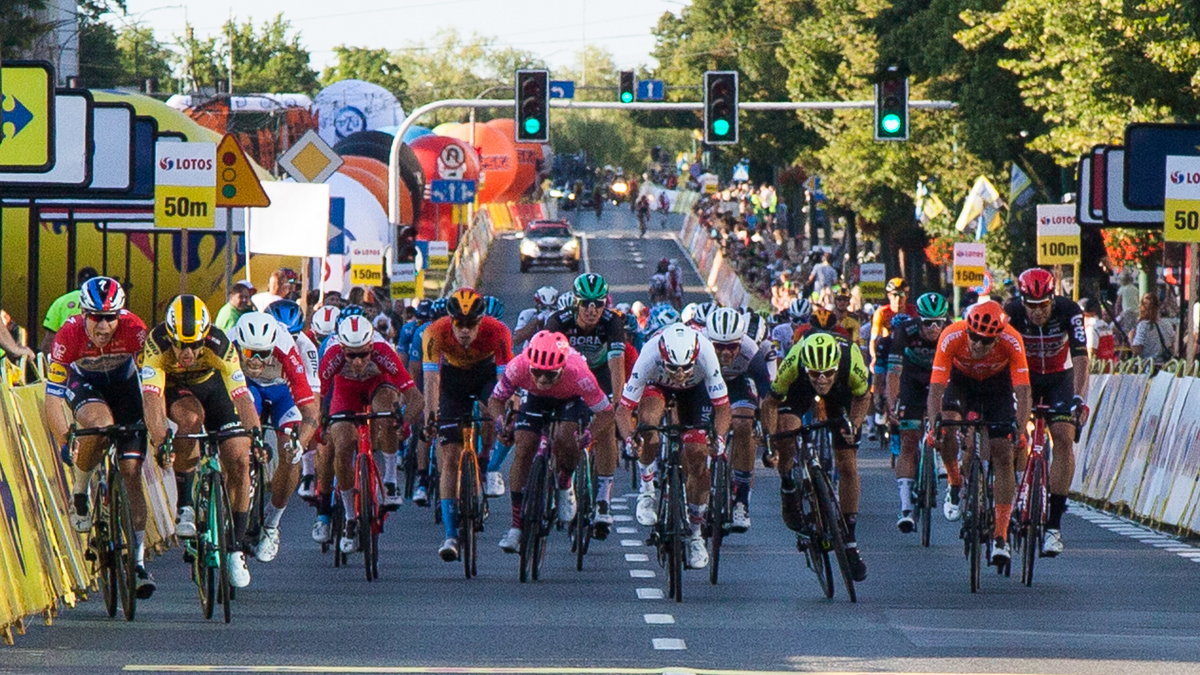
x: 545, y: 296
x: 725, y: 324
x: 325, y: 319
x: 932, y: 306
x: 699, y: 315
x: 465, y: 305
x: 986, y: 318
x: 439, y: 308
x: 820, y: 352
x: 1036, y: 284
x: 622, y: 307
x: 349, y: 311
x: 187, y: 319
x: 566, y: 300
x: 679, y: 345
x: 424, y: 310
x: 101, y: 294
x: 256, y: 331
x: 666, y: 315
x: 800, y: 310
x: 355, y: 332
x: 756, y: 327
x: 288, y: 313
x: 688, y: 313
x: 548, y: 350
x: 639, y: 309
x: 896, y: 285
x: 631, y: 324
x: 590, y: 286
x: 823, y: 319
x: 493, y: 307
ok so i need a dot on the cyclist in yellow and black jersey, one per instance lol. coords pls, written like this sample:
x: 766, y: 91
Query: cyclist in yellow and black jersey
x: 191, y: 374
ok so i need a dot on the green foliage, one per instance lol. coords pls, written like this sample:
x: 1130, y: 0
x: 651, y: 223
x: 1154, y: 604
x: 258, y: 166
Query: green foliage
x: 18, y: 27
x: 370, y: 65
x: 268, y: 60
x: 110, y: 58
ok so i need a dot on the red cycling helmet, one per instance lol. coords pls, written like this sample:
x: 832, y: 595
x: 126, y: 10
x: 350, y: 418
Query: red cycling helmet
x: 986, y: 318
x: 1036, y: 285
x: 548, y: 350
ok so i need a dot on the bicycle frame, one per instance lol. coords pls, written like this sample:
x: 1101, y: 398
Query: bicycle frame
x: 978, y: 514
x: 671, y: 529
x: 368, y: 486
x: 1033, y: 496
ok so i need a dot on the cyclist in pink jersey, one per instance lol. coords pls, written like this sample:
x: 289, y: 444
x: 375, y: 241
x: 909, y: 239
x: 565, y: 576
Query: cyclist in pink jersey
x: 554, y: 379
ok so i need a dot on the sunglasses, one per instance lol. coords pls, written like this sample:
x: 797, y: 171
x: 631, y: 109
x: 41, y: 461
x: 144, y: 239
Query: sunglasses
x: 541, y: 374
x: 933, y: 323
x: 727, y: 346
x: 592, y: 304
x: 103, y: 317
x: 1038, y: 304
x: 187, y: 346
x: 980, y: 339
x: 260, y: 354
x: 357, y: 355
x: 465, y: 325
x: 678, y: 370
x: 822, y: 374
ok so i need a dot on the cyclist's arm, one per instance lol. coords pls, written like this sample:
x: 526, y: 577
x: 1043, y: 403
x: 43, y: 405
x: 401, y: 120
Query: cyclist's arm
x: 933, y: 404
x: 244, y: 405
x: 1077, y: 341
x: 309, y: 412
x: 414, y: 405
x: 895, y: 369
x: 859, y: 407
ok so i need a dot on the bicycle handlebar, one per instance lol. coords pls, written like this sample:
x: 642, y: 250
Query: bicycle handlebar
x: 806, y: 429
x: 110, y: 430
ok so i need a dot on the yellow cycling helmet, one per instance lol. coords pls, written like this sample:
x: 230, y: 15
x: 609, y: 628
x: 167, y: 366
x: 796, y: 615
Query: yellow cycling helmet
x: 820, y: 352
x: 187, y: 319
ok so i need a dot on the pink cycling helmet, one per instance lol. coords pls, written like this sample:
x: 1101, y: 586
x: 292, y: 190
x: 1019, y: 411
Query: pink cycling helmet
x: 548, y: 350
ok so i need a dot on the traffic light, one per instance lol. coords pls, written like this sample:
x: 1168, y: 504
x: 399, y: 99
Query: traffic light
x: 891, y: 106
x: 628, y: 88
x: 533, y: 106
x: 721, y: 107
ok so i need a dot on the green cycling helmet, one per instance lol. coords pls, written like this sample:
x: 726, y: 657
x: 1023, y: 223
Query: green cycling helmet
x: 591, y: 286
x: 932, y: 306
x: 820, y: 352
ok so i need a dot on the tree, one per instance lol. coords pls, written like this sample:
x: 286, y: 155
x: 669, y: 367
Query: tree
x: 370, y: 65
x: 125, y: 57
x: 19, y: 29
x: 269, y: 60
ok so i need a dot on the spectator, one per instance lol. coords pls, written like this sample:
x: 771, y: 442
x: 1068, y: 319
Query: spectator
x: 823, y: 275
x: 64, y: 307
x: 1101, y: 345
x: 1154, y: 336
x: 1127, y: 300
x: 278, y: 288
x: 238, y: 304
x: 10, y: 344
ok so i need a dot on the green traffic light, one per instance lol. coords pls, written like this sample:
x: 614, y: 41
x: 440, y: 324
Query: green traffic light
x: 890, y: 123
x: 720, y: 127
x: 627, y: 97
x: 532, y: 125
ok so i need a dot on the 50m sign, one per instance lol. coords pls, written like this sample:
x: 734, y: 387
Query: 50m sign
x: 185, y: 194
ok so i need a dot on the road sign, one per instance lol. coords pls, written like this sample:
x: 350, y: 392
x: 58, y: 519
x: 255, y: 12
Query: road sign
x: 1083, y: 201
x: 1058, y: 240
x: 27, y: 99
x: 452, y: 191
x: 366, y: 264
x: 872, y: 277
x: 651, y: 90
x: 439, y: 255
x: 452, y: 162
x: 1181, y: 199
x: 310, y: 160
x: 562, y: 89
x: 970, y: 266
x: 72, y: 148
x: 1115, y: 211
x: 741, y: 172
x: 185, y: 184
x: 1146, y: 149
x: 237, y: 184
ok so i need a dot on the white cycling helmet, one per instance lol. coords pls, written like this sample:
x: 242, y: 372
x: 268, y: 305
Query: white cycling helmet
x: 545, y: 296
x: 756, y: 327
x: 324, y: 321
x: 256, y: 331
x: 355, y: 332
x: 566, y: 300
x: 725, y: 324
x: 679, y: 345
x: 800, y: 311
x: 689, y: 312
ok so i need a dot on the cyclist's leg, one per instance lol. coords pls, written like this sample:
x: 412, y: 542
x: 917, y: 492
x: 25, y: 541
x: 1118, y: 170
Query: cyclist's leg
x: 385, y: 435
x: 348, y: 396
x: 287, y: 468
x: 743, y: 399
x: 184, y: 409
x: 219, y: 414
x: 912, y: 411
x: 650, y: 411
x: 1062, y: 433
x: 605, y: 453
x: 995, y: 396
x: 90, y: 410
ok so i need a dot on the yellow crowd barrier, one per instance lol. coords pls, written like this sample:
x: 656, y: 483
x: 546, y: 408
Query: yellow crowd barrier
x: 42, y: 563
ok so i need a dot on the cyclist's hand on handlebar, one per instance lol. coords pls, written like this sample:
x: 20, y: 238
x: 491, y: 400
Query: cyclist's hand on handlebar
x: 165, y: 454
x: 931, y: 436
x: 67, y: 454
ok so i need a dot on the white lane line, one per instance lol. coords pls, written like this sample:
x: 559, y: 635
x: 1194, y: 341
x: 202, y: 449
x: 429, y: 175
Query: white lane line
x: 669, y: 644
x: 641, y: 574
x: 627, y: 530
x: 622, y: 518
x: 637, y: 557
x: 658, y: 619
x: 630, y: 543
x: 1189, y: 554
x: 618, y: 506
x: 649, y: 594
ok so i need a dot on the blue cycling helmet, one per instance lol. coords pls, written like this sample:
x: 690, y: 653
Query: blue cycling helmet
x: 439, y: 308
x: 423, y: 310
x: 288, y: 313
x: 101, y: 294
x: 493, y: 307
x: 665, y: 316
x: 631, y: 323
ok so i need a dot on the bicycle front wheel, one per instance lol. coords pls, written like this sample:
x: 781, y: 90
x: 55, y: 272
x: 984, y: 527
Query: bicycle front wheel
x: 719, y: 505
x: 927, y: 495
x: 120, y: 521
x: 1032, y: 544
x: 581, y: 531
x: 831, y: 517
x: 816, y: 551
x: 368, y: 516
x: 106, y: 555
x: 532, y: 510
x: 974, y: 523
x: 677, y: 526
x: 469, y: 498
x: 222, y: 522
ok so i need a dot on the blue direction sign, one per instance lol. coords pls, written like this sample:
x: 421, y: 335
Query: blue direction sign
x: 562, y: 89
x: 452, y: 191
x: 651, y: 90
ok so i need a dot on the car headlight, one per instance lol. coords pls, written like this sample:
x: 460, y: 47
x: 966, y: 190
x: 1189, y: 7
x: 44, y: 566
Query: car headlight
x: 571, y: 247
x: 619, y: 188
x: 556, y: 193
x: 529, y: 247
x: 571, y: 196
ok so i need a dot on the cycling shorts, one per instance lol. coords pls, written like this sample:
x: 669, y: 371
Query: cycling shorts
x: 533, y: 408
x: 460, y: 387
x: 275, y: 399
x: 692, y: 405
x: 354, y: 396
x: 991, y: 398
x: 743, y: 393
x: 214, y: 399
x: 121, y: 392
x: 1056, y: 390
x: 913, y: 399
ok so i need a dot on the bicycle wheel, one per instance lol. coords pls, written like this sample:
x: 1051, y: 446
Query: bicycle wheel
x: 926, y: 495
x: 719, y: 505
x: 548, y: 520
x: 468, y: 510
x: 258, y: 496
x: 120, y: 521
x: 410, y: 465
x: 1032, y: 525
x: 973, y: 528
x: 531, y: 514
x: 581, y: 530
x: 223, y: 524
x: 368, y: 516
x: 102, y: 541
x: 834, y: 526
x: 816, y: 552
x: 204, y: 565
x: 677, y: 527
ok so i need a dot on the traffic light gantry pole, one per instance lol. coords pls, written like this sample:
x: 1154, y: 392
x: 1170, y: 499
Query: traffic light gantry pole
x: 416, y: 114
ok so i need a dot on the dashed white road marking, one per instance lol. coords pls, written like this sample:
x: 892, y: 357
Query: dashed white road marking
x: 622, y: 518
x: 658, y: 619
x: 626, y: 530
x: 1135, y: 531
x: 669, y: 644
x: 642, y: 574
x: 649, y: 594
x: 629, y: 543
x: 637, y: 557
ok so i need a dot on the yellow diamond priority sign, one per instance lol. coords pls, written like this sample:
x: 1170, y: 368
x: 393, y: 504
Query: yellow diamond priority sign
x: 237, y: 184
x: 310, y: 160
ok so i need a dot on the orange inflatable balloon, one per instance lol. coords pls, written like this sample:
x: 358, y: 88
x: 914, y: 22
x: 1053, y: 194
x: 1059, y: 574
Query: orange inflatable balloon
x: 377, y: 187
x: 528, y: 156
x: 497, y: 158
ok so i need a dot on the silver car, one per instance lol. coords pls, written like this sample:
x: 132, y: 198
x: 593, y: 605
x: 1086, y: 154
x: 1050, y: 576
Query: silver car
x: 549, y: 242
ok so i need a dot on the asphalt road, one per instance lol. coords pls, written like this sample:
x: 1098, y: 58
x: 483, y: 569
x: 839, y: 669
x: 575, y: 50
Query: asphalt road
x: 1121, y: 600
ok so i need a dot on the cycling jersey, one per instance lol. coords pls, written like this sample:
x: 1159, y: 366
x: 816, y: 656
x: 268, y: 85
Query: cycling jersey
x: 62, y: 309
x: 576, y: 380
x: 649, y: 371
x: 852, y: 377
x: 311, y: 360
x: 216, y: 356
x: 1050, y: 347
x: 784, y: 335
x: 881, y: 330
x: 598, y: 344
x: 492, y: 342
x: 72, y: 352
x: 852, y: 328
x: 752, y: 361
x: 912, y: 355
x: 405, y: 337
x: 383, y: 363
x: 285, y: 367
x: 954, y: 354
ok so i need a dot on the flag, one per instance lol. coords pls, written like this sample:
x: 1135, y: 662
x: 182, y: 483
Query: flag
x: 982, y: 205
x: 1020, y: 188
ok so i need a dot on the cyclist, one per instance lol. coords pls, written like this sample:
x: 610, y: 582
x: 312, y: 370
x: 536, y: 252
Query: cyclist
x: 463, y: 354
x: 291, y: 315
x: 1056, y: 348
x: 979, y: 366
x: 93, y: 368
x: 877, y: 345
x: 437, y: 309
x: 555, y: 379
x: 362, y: 371
x: 531, y: 320
x: 422, y: 312
x: 841, y: 311
x: 910, y: 363
x: 279, y: 384
x: 681, y: 366
x: 323, y: 325
x: 786, y: 334
x: 745, y: 368
x: 823, y: 370
x: 192, y: 376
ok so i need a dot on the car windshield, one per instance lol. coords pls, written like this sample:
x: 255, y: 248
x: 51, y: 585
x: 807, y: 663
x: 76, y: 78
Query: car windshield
x: 550, y: 232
